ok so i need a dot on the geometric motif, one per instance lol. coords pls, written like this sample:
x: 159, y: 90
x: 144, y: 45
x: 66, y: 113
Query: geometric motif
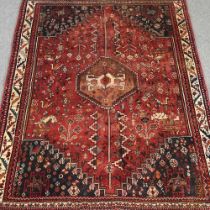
x: 171, y: 171
x: 153, y: 19
x: 104, y: 107
x: 192, y: 72
x: 106, y: 82
x: 16, y: 88
x: 43, y: 171
x: 122, y: 139
x: 94, y: 138
x: 55, y: 21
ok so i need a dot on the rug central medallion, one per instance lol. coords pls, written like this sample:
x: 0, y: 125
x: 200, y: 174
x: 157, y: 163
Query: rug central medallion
x: 106, y: 82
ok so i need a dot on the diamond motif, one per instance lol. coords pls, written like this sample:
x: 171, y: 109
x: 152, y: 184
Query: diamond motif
x: 74, y: 190
x: 106, y: 82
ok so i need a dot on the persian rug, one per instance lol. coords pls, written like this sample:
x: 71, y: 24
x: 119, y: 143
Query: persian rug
x: 104, y: 107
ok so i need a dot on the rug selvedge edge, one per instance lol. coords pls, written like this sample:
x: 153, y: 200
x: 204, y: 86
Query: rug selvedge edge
x: 192, y: 69
x: 16, y: 91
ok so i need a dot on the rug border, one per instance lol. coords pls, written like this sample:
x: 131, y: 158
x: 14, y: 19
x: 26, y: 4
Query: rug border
x: 197, y: 58
x: 13, y: 60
